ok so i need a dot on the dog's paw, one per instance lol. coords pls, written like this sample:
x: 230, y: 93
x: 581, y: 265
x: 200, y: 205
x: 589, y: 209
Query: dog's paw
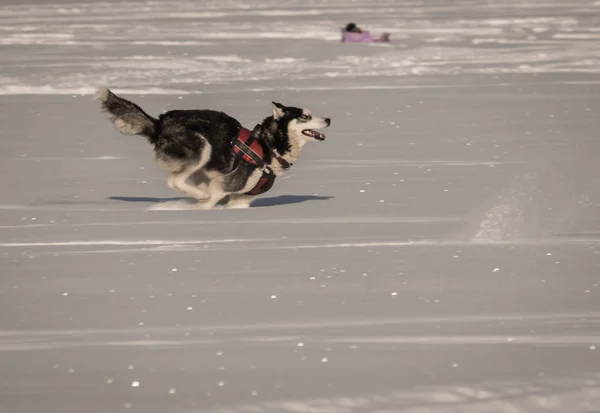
x: 237, y: 206
x: 163, y: 206
x: 180, y: 205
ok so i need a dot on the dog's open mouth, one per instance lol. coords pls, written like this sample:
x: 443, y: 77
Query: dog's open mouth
x: 314, y: 134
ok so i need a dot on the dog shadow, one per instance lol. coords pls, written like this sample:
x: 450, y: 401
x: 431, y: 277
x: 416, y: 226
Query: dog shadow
x: 257, y: 203
x: 144, y: 199
x: 287, y: 200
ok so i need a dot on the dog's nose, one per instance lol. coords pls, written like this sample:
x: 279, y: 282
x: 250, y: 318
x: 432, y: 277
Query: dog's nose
x: 328, y: 121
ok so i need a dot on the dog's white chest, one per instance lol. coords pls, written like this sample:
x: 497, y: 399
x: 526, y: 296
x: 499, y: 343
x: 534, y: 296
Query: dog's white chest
x: 252, y: 181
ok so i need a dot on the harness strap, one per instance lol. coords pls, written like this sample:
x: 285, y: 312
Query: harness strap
x: 284, y: 164
x: 244, y: 144
x: 263, y: 185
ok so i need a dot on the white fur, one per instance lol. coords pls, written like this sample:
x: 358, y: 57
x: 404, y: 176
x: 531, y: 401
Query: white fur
x: 127, y: 128
x: 277, y: 111
x: 239, y: 201
x: 102, y: 94
x: 178, y: 179
x: 298, y: 139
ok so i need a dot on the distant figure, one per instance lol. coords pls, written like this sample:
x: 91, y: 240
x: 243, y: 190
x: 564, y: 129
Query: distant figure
x: 353, y: 34
x: 353, y: 28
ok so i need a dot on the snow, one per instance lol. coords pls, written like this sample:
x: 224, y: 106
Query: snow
x: 417, y: 247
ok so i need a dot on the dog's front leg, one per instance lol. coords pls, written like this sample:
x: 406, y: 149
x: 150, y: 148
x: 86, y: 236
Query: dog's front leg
x: 211, y: 202
x: 239, y: 201
x: 215, y: 192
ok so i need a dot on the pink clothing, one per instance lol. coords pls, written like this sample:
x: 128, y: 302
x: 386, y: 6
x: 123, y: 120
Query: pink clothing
x: 363, y: 37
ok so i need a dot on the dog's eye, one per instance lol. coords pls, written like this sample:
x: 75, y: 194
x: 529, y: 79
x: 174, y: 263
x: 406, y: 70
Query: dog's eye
x: 305, y: 117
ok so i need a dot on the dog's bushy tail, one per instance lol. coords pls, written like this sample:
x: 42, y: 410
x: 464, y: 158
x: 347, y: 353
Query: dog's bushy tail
x: 128, y: 117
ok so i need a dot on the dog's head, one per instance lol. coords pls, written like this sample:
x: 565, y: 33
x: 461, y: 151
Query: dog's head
x: 299, y: 124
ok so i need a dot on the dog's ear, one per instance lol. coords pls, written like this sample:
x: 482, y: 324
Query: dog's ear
x: 278, y: 110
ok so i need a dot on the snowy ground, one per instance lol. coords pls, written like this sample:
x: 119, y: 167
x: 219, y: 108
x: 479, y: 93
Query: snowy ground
x: 439, y: 252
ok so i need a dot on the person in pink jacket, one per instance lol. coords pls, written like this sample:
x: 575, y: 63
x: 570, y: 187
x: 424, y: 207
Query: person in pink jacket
x: 353, y: 34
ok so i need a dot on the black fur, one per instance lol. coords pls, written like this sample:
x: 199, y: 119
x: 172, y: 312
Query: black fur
x: 179, y: 136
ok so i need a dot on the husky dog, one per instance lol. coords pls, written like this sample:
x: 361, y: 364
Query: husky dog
x: 209, y: 156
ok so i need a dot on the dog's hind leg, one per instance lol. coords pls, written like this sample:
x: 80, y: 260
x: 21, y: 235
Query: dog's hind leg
x: 181, y: 173
x: 178, y: 182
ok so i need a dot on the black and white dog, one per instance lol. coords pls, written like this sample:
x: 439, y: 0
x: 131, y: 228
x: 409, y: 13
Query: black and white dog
x: 209, y: 156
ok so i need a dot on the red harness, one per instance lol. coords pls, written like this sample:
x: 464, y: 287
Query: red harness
x: 250, y: 145
x: 251, y: 150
